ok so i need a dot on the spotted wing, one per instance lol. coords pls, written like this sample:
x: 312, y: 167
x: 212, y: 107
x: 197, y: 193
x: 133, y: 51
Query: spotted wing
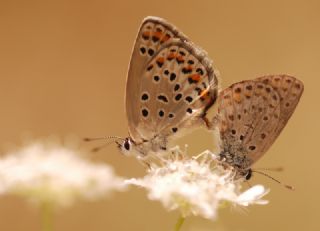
x: 251, y: 115
x: 154, y: 33
x: 163, y: 68
x: 177, y: 88
x: 290, y: 90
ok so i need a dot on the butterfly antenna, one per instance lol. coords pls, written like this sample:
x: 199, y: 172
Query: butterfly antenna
x: 264, y: 174
x: 87, y: 139
x: 275, y: 169
x: 96, y: 149
x: 111, y: 139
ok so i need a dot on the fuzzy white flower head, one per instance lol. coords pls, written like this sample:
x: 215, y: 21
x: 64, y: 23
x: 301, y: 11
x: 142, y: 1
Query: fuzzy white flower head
x: 55, y: 174
x: 196, y: 186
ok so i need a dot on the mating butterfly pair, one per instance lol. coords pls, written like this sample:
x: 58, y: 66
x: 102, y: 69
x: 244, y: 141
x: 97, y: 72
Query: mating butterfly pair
x: 171, y: 84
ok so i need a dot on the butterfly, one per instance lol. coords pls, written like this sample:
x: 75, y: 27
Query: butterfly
x: 251, y: 115
x: 170, y: 86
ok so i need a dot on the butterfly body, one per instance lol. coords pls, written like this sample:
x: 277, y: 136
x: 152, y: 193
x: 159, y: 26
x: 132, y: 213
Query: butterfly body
x: 155, y: 145
x: 170, y: 86
x: 251, y: 115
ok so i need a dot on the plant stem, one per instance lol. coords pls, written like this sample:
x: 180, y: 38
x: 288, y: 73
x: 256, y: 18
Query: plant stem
x: 46, y: 216
x: 179, y: 223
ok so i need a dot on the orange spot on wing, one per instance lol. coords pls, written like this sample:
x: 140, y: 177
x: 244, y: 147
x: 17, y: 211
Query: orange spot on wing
x: 180, y: 58
x: 188, y: 68
x: 165, y: 38
x: 195, y: 77
x: 171, y: 55
x: 160, y: 60
x: 157, y: 34
x: 146, y: 34
x: 237, y: 97
x: 248, y: 94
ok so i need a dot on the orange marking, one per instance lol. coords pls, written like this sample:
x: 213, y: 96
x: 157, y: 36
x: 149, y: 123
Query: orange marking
x: 157, y: 34
x: 248, y: 94
x: 171, y: 55
x: 160, y: 60
x: 188, y: 68
x: 165, y: 38
x: 146, y: 34
x: 180, y: 58
x: 195, y: 77
x: 237, y: 97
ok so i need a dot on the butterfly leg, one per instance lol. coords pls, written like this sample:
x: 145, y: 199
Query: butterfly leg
x: 210, y: 124
x: 207, y: 157
x: 144, y: 163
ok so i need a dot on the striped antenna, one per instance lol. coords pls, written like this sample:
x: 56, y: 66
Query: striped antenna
x: 264, y: 174
x: 87, y: 139
x: 111, y: 139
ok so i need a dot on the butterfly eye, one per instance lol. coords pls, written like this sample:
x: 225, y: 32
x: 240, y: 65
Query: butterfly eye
x: 248, y: 174
x: 126, y: 144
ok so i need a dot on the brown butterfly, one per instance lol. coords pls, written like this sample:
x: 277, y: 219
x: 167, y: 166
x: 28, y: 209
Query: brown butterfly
x: 170, y: 85
x: 251, y: 115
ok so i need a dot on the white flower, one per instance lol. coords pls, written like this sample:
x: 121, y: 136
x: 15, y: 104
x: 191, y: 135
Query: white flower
x: 55, y: 174
x: 253, y: 195
x: 196, y: 186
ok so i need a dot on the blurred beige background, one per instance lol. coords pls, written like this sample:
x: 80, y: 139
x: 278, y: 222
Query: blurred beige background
x: 63, y: 68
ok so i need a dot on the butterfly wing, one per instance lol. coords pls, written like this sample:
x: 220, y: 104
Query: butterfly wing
x: 181, y: 85
x: 153, y: 34
x: 170, y: 89
x: 251, y: 115
x: 290, y: 90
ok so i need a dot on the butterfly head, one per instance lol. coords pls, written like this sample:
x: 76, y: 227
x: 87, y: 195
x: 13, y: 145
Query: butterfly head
x: 124, y: 145
x: 128, y: 147
x: 247, y: 174
x: 241, y: 173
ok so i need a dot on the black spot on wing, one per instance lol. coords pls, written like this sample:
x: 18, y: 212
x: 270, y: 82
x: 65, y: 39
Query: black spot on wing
x: 163, y: 98
x: 174, y: 129
x: 150, y: 51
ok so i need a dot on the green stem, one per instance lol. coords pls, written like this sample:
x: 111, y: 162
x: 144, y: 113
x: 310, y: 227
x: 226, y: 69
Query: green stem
x: 46, y: 216
x: 179, y: 223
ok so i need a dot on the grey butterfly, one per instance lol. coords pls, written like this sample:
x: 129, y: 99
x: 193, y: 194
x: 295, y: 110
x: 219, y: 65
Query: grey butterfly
x: 251, y: 115
x: 170, y: 85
